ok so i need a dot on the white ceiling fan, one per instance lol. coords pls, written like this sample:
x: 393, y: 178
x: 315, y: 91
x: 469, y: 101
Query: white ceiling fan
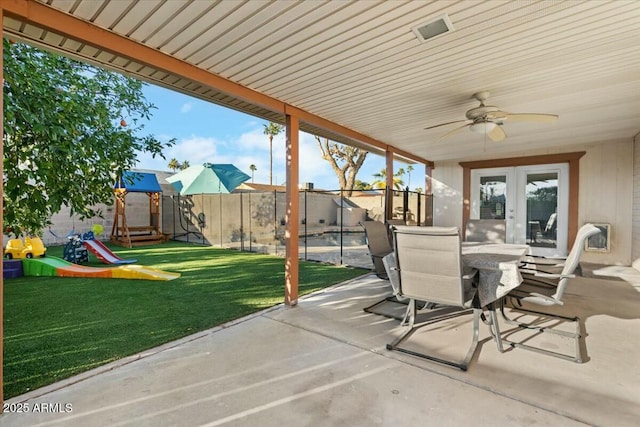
x: 488, y: 119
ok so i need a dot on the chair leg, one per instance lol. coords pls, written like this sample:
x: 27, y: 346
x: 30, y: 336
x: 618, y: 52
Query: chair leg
x: 378, y: 267
x: 411, y: 313
x: 576, y: 335
x: 403, y: 319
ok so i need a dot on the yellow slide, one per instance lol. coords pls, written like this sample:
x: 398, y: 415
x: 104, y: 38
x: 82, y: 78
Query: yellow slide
x: 141, y: 272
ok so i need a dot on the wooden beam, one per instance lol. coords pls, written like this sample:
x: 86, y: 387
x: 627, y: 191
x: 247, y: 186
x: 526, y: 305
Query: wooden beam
x: 388, y: 209
x: 524, y: 161
x: 466, y: 199
x: 1, y: 224
x: 312, y: 119
x: 58, y: 22
x: 428, y: 172
x: 307, y: 117
x: 44, y: 16
x: 409, y: 156
x: 292, y: 212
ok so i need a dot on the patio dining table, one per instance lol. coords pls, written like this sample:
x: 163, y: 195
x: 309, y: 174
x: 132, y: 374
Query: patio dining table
x: 497, y: 264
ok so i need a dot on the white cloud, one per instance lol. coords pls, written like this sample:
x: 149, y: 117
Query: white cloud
x: 251, y: 147
x: 254, y: 139
x: 186, y: 107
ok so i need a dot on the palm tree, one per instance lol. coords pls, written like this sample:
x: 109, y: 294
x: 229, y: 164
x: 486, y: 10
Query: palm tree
x: 174, y: 165
x: 409, y: 170
x: 381, y: 180
x: 272, y: 129
x: 184, y: 165
x: 253, y: 169
x: 400, y: 173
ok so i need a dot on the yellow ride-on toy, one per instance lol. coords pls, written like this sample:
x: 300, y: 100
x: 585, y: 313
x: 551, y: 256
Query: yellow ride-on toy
x: 32, y: 247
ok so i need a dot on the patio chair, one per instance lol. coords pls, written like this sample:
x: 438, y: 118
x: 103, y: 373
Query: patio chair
x: 486, y: 230
x: 429, y: 267
x: 390, y: 224
x: 535, y: 269
x: 378, y: 243
x: 382, y: 256
x: 557, y: 282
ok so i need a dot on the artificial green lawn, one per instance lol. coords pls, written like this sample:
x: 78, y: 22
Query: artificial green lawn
x: 57, y: 327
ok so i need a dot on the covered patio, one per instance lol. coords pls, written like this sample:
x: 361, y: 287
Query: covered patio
x: 324, y: 362
x: 358, y: 73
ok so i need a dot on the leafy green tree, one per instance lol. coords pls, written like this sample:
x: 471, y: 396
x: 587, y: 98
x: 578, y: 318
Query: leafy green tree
x: 345, y: 161
x: 361, y: 185
x: 253, y: 168
x: 400, y: 173
x: 409, y: 170
x: 65, y: 138
x: 271, y: 130
x: 381, y: 180
x: 184, y: 165
x: 174, y: 165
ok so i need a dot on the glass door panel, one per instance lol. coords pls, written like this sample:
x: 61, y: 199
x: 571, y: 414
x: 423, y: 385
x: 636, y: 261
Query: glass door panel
x: 542, y: 208
x: 492, y: 196
x: 533, y: 200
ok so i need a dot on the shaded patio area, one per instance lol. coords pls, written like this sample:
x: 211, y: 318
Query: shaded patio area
x: 324, y: 362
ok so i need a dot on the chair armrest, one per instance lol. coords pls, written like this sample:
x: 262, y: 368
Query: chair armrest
x: 545, y: 262
x: 555, y: 276
x: 549, y: 300
x: 550, y: 258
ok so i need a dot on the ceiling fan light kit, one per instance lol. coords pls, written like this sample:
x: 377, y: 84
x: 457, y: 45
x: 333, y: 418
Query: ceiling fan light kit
x: 488, y: 119
x: 482, y: 127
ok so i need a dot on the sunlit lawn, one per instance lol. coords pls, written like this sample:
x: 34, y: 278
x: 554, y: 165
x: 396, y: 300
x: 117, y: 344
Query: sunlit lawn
x: 57, y: 327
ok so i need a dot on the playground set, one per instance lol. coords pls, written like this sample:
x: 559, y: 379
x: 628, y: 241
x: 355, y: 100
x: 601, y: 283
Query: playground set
x: 79, y: 246
x: 122, y: 233
x: 29, y: 259
x: 32, y: 247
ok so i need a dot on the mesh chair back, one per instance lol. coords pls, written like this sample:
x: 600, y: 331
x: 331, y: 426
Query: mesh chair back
x: 430, y: 264
x: 378, y: 243
x: 377, y: 238
x: 573, y: 259
x: 486, y: 230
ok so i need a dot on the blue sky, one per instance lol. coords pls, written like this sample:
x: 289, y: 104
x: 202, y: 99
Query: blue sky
x: 206, y: 132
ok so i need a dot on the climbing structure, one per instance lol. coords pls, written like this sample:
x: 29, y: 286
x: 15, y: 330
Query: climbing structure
x: 124, y: 234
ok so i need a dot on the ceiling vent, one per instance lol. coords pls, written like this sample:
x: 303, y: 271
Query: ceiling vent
x: 434, y: 28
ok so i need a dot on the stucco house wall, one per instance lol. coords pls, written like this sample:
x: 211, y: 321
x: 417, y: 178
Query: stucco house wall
x: 635, y: 244
x: 606, y: 194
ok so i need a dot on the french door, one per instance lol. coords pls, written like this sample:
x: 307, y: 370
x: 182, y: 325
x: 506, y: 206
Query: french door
x: 533, y: 200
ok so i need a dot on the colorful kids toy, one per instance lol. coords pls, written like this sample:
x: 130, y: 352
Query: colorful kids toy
x: 74, y: 251
x: 32, y: 247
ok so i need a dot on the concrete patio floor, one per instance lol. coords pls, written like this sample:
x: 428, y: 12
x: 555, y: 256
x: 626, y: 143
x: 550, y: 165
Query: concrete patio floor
x: 324, y: 363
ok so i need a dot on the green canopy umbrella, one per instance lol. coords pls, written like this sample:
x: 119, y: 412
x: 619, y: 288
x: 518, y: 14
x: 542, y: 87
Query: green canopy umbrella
x: 208, y: 179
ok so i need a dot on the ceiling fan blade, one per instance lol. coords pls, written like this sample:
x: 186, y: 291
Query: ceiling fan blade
x: 497, y: 134
x: 526, y: 117
x: 453, y: 132
x: 445, y: 124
